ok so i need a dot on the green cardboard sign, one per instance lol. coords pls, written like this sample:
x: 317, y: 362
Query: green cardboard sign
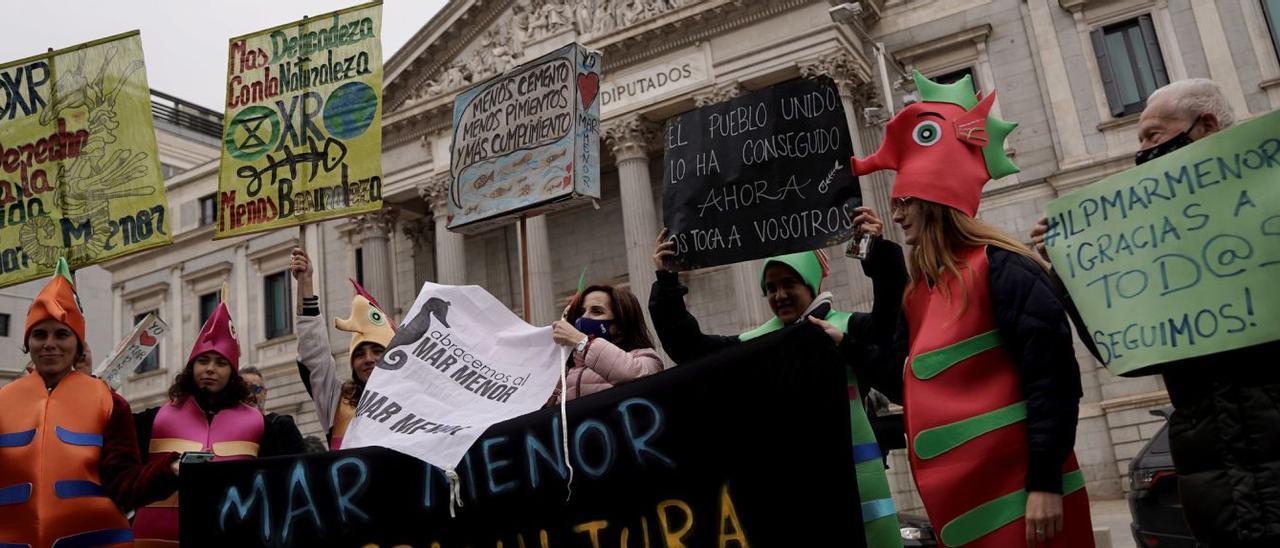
x: 1179, y: 257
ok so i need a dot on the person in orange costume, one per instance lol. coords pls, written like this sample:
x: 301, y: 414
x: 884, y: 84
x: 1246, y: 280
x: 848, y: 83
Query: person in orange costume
x: 69, y: 460
x: 991, y: 387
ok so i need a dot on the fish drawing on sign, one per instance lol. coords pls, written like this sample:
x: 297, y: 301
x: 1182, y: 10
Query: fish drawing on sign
x: 551, y: 185
x: 524, y: 159
x: 500, y: 192
x: 482, y: 180
x: 525, y: 190
x: 554, y: 156
x: 471, y: 209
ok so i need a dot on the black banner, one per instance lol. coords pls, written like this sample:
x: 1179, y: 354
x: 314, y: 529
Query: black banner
x: 761, y: 175
x: 750, y: 447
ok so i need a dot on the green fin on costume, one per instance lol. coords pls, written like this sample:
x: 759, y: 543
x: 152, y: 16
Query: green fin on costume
x: 959, y: 93
x: 998, y: 163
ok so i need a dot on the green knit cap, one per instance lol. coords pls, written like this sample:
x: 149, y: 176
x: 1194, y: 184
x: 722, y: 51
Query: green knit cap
x: 805, y: 263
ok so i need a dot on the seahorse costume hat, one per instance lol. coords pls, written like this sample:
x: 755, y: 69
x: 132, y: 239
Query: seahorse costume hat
x: 368, y: 322
x: 218, y: 335
x: 57, y: 301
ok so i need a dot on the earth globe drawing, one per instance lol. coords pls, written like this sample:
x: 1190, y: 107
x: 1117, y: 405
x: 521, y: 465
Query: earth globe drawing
x: 350, y: 109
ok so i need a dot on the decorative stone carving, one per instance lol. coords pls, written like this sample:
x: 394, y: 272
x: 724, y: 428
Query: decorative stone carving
x: 532, y: 20
x: 435, y: 192
x: 418, y: 231
x: 848, y: 76
x: 376, y: 223
x: 629, y: 137
x: 719, y: 94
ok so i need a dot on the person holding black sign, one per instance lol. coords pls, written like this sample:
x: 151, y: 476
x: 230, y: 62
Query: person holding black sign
x: 1224, y: 434
x: 991, y: 387
x: 792, y: 284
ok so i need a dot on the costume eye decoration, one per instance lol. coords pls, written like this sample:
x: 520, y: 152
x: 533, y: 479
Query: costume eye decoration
x: 927, y: 133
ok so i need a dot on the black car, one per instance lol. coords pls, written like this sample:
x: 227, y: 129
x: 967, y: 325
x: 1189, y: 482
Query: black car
x: 1153, y: 495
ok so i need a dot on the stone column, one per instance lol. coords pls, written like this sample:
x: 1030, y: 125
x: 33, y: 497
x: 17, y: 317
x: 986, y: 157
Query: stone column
x: 629, y: 138
x: 419, y: 233
x: 451, y: 255
x: 857, y: 91
x: 174, y: 352
x: 746, y: 275
x: 239, y: 289
x: 542, y: 298
x: 373, y: 231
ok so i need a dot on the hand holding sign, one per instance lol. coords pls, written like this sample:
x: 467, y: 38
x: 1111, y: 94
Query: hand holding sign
x: 1173, y: 259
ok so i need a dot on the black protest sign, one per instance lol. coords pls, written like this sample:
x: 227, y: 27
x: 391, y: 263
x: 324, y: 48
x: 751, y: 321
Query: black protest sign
x: 762, y: 175
x: 750, y: 447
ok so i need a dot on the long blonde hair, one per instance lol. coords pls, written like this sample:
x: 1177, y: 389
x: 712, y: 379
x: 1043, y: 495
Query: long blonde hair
x: 944, y: 231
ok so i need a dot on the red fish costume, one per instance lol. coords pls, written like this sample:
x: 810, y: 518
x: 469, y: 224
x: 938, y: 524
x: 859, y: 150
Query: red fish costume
x: 182, y: 426
x: 964, y: 401
x: 51, y: 445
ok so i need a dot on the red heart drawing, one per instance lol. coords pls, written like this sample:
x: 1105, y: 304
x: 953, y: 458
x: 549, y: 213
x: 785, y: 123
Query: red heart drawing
x: 588, y: 85
x: 146, y: 339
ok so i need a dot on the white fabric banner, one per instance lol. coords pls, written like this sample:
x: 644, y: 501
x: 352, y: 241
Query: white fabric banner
x: 459, y: 363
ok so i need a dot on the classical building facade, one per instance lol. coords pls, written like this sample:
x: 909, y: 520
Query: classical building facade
x: 1073, y: 73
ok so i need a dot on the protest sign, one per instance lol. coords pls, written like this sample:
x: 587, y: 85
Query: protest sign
x: 749, y: 447
x: 79, y: 175
x: 130, y: 352
x: 460, y: 363
x: 761, y: 175
x: 526, y: 142
x: 1178, y: 257
x: 303, y: 126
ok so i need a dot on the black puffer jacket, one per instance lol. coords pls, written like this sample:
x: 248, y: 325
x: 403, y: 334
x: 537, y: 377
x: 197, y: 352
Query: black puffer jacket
x: 1035, y: 332
x: 1224, y: 437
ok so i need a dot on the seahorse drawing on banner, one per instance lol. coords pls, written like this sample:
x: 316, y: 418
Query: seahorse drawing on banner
x: 101, y: 173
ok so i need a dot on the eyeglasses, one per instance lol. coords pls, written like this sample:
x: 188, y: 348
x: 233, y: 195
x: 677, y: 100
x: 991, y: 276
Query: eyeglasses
x: 900, y: 203
x: 257, y: 388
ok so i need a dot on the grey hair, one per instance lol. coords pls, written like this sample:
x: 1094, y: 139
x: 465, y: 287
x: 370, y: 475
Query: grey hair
x: 1196, y: 96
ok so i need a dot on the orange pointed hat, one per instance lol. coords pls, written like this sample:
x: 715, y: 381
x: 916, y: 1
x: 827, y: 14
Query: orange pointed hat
x: 368, y: 322
x: 218, y: 335
x: 57, y: 301
x: 945, y: 148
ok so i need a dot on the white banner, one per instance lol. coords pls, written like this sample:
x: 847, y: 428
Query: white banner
x: 460, y: 362
x: 130, y: 351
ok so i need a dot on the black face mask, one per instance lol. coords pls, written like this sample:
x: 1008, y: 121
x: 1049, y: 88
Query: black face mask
x: 1178, y: 141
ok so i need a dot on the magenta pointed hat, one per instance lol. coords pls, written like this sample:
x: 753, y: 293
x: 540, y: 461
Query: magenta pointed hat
x: 218, y: 335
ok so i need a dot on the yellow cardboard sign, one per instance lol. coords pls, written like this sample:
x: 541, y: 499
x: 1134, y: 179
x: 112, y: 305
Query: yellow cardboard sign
x: 302, y: 134
x: 79, y: 175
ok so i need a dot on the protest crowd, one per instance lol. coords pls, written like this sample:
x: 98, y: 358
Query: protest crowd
x: 970, y: 332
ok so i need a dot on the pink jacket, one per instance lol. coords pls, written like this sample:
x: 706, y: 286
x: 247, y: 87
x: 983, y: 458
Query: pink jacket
x: 604, y: 366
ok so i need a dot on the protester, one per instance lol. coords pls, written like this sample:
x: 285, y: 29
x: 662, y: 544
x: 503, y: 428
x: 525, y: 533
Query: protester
x: 210, y: 410
x: 69, y: 461
x: 611, y: 344
x: 290, y: 439
x: 992, y: 388
x: 792, y: 285
x: 1224, y: 435
x: 371, y: 331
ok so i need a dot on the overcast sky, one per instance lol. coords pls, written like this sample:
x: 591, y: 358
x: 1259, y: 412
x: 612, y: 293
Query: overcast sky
x: 185, y: 41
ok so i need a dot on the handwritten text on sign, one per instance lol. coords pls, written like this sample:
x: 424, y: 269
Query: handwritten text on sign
x: 762, y: 175
x: 527, y: 141
x: 1178, y: 257
x: 302, y: 138
x: 79, y: 175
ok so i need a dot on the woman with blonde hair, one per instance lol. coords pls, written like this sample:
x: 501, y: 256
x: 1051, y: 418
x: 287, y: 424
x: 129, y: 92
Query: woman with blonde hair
x: 991, y: 387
